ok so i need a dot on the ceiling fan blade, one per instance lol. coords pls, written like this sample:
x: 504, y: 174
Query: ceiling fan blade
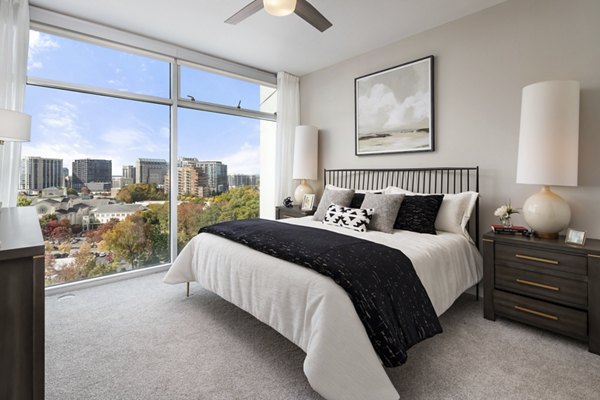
x: 311, y: 15
x: 245, y: 12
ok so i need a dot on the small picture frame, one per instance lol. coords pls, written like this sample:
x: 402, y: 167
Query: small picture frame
x: 575, y: 237
x: 308, y: 202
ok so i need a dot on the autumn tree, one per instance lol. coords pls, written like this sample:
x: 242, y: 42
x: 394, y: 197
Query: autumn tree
x: 58, y: 230
x: 128, y: 240
x: 95, y: 235
x: 189, y: 219
x: 47, y: 218
x: 23, y: 200
x: 156, y: 219
x: 140, y: 192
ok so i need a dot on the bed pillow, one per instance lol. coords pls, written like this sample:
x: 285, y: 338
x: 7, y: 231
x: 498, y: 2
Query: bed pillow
x: 418, y: 213
x: 342, y: 197
x: 359, y: 197
x: 356, y: 219
x: 455, y: 211
x: 386, y: 208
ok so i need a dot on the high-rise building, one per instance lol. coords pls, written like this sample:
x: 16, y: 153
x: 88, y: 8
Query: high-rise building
x: 91, y: 171
x: 190, y: 180
x: 129, y: 172
x: 236, y: 180
x: 149, y: 170
x: 216, y: 176
x: 38, y: 173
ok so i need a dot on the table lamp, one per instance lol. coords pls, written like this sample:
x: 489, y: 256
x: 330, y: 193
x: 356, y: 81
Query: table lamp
x: 305, y: 159
x: 14, y: 126
x: 548, y: 152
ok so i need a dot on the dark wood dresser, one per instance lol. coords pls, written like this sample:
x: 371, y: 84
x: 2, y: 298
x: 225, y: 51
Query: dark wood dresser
x: 544, y: 283
x: 21, y: 305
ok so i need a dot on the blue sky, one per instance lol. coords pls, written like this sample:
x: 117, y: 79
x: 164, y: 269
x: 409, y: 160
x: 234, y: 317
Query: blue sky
x: 71, y: 125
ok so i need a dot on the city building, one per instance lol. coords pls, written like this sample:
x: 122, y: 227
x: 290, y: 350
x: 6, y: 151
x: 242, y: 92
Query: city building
x: 216, y: 176
x: 88, y: 171
x: 150, y: 170
x: 129, y: 172
x: 38, y: 173
x: 191, y: 180
x: 237, y: 180
x: 105, y: 213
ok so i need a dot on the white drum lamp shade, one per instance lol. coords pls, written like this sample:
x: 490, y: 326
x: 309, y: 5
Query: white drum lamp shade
x: 548, y: 151
x: 279, y: 8
x: 14, y: 126
x: 306, y: 147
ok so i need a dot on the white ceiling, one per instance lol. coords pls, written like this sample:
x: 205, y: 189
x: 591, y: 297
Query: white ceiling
x: 272, y: 43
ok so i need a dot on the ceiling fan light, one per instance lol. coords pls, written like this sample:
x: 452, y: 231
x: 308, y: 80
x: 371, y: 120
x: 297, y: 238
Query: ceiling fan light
x: 279, y: 8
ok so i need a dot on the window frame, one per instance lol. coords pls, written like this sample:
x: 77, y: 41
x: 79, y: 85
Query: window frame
x: 53, y: 23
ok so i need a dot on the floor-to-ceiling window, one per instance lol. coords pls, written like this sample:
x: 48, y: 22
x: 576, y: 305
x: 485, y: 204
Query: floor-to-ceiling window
x: 98, y: 167
x: 218, y: 161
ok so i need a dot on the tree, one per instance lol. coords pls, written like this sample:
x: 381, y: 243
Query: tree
x: 128, y: 240
x: 45, y: 219
x: 58, y: 230
x: 140, y: 192
x: 156, y: 219
x: 190, y: 218
x: 72, y: 192
x: 95, y: 235
x: 23, y: 200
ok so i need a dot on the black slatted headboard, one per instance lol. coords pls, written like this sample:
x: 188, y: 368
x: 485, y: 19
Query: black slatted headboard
x: 420, y: 180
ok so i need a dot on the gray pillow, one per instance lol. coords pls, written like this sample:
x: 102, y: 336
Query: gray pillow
x: 386, y: 209
x: 341, y: 197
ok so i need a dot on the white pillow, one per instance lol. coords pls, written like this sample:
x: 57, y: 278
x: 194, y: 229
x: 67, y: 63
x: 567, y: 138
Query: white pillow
x: 454, y: 213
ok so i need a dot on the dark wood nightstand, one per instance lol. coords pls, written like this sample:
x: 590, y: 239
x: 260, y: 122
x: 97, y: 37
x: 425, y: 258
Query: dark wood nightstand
x: 282, y: 212
x: 544, y: 283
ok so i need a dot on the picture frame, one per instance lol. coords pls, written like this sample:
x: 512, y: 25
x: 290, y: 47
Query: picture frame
x: 394, y: 109
x: 308, y: 202
x: 575, y: 237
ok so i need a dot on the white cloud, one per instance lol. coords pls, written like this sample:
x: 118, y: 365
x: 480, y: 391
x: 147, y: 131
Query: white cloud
x: 61, y: 135
x: 39, y: 43
x: 131, y: 141
x: 244, y: 161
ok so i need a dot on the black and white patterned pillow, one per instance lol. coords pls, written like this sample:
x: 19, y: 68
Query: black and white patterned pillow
x: 352, y: 218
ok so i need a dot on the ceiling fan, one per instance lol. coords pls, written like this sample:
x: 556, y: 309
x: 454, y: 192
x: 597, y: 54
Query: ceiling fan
x: 283, y: 7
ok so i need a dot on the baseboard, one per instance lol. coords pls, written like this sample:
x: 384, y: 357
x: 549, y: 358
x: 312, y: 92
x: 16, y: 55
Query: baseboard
x: 102, y: 280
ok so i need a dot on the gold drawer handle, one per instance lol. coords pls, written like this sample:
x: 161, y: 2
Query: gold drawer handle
x: 540, y: 285
x: 543, y: 260
x: 539, y: 314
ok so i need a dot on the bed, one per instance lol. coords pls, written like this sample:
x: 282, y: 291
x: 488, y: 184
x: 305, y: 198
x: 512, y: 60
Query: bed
x: 316, y: 314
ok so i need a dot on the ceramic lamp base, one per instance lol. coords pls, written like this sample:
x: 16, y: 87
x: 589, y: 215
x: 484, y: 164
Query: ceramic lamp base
x: 546, y: 213
x: 302, y: 189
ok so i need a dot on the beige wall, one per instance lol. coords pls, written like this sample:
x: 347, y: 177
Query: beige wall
x: 481, y: 64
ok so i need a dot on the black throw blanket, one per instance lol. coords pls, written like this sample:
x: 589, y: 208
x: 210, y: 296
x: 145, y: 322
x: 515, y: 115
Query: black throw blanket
x: 381, y: 281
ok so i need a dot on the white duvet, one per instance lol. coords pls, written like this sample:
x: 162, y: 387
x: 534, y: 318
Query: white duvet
x: 314, y: 312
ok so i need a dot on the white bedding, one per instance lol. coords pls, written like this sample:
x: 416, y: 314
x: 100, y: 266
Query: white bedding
x: 315, y: 313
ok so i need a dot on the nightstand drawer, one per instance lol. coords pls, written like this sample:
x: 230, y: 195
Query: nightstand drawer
x: 546, y: 260
x: 543, y: 286
x: 566, y: 321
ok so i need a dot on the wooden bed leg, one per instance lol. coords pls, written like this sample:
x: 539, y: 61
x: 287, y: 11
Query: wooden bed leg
x: 476, y: 291
x: 187, y: 284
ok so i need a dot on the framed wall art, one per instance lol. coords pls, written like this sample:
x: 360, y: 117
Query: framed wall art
x: 394, y: 109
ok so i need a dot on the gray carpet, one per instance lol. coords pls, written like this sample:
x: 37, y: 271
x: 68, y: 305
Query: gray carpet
x: 142, y: 339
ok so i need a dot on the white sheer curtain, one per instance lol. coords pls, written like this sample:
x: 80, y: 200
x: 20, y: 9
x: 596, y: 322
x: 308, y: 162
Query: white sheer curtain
x: 288, y: 117
x: 14, y: 43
